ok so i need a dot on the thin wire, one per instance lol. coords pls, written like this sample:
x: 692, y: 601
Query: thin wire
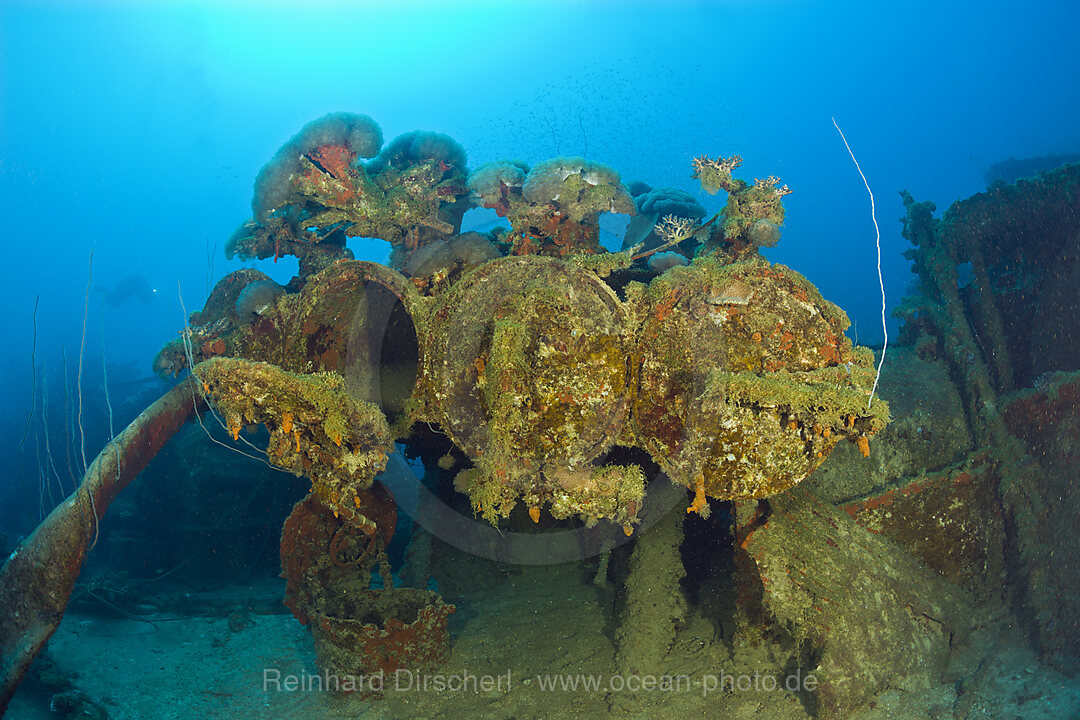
x: 197, y: 388
x: 105, y: 376
x: 82, y: 346
x: 108, y: 402
x: 69, y: 425
x: 881, y: 279
x: 33, y: 383
x: 45, y: 432
x: 78, y: 383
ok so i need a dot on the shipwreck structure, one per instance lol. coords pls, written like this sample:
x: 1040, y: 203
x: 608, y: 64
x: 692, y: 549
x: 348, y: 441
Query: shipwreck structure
x: 534, y: 350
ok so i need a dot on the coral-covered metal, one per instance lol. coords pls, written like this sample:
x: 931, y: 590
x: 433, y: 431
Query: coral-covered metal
x: 735, y: 375
x: 535, y: 350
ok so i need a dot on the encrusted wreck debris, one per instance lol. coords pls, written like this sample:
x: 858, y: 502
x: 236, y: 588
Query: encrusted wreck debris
x: 558, y: 372
x: 998, y: 307
x: 734, y: 374
x: 359, y: 632
x: 866, y: 614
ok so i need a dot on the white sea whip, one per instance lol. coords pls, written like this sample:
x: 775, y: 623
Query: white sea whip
x: 881, y: 280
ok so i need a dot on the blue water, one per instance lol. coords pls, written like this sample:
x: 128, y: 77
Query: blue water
x: 134, y: 131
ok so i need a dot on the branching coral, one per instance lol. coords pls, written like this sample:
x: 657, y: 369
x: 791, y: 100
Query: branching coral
x: 715, y: 174
x: 747, y: 205
x: 653, y: 205
x: 672, y: 231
